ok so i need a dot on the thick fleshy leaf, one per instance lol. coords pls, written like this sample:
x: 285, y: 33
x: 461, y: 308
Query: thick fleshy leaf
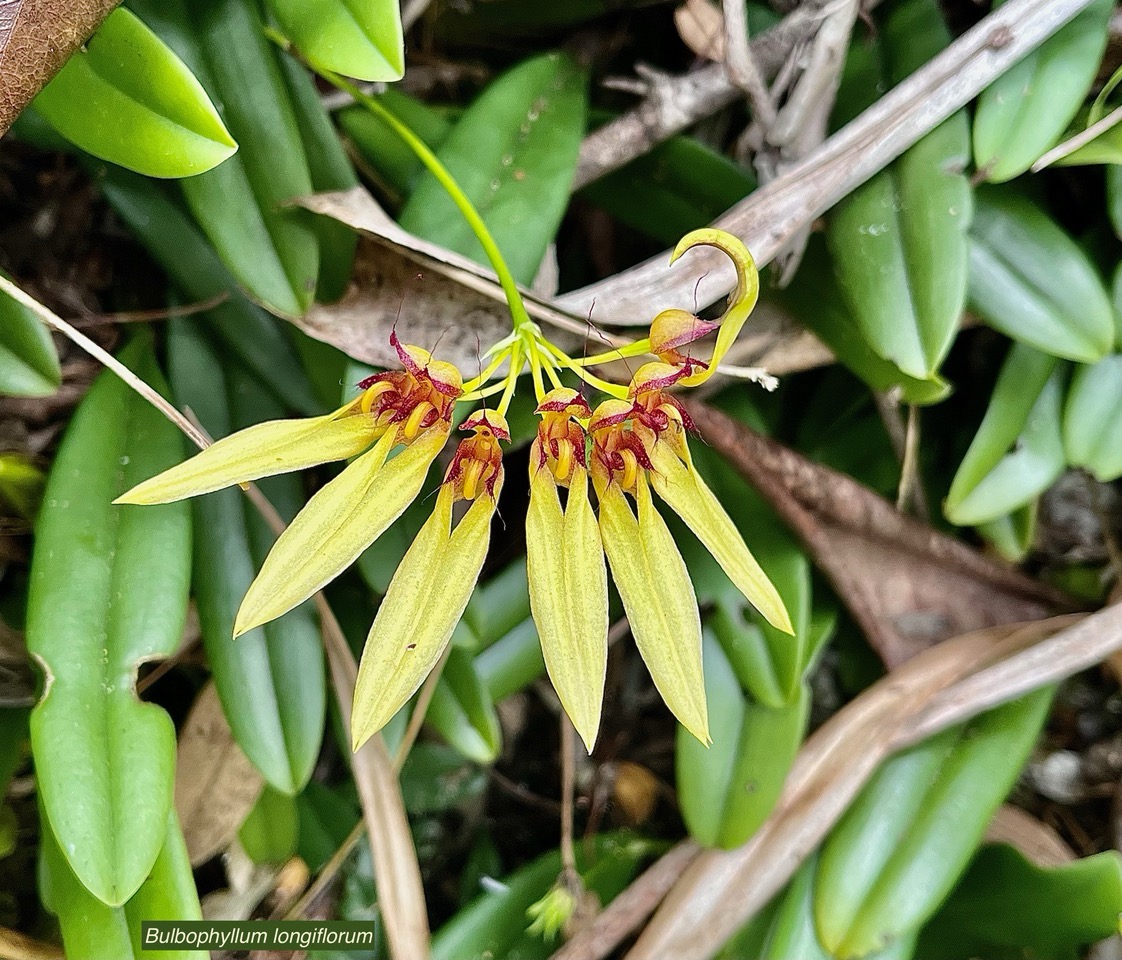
x: 91, y: 930
x: 1026, y: 110
x: 357, y: 38
x: 108, y: 591
x: 166, y: 230
x: 242, y: 204
x: 424, y: 603
x: 271, y: 681
x: 899, y: 241
x: 681, y: 486
x: 1092, y: 419
x: 127, y: 98
x: 263, y: 450
x: 568, y: 583
x: 28, y: 360
x: 655, y: 587
x: 1018, y: 452
x: 462, y: 710
x: 1007, y: 905
x: 513, y: 153
x: 901, y: 847
x: 727, y: 790
x: 1032, y: 282
x: 1012, y: 535
x: 337, y: 524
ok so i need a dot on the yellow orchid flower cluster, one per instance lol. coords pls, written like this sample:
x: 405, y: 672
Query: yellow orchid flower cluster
x: 631, y: 444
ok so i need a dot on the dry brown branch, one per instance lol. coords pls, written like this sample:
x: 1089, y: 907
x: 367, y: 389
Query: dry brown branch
x: 770, y: 217
x: 943, y: 686
x: 741, y: 64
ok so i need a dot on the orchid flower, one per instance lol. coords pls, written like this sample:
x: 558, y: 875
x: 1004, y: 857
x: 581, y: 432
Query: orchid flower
x: 630, y: 448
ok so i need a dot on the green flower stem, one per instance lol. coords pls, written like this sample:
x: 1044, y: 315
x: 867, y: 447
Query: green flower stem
x: 432, y: 163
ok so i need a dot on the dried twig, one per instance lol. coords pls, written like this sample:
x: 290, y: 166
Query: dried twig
x: 770, y: 217
x: 741, y: 63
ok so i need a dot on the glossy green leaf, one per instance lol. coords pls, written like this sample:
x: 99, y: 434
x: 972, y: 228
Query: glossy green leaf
x: 791, y: 932
x: 1114, y: 197
x: 726, y: 790
x: 28, y: 360
x: 258, y: 340
x: 1026, y: 109
x: 1106, y: 148
x: 21, y: 486
x: 127, y: 98
x: 387, y: 157
x: 901, y: 847
x: 513, y: 152
x: 513, y: 662
x: 270, y: 834
x: 677, y: 187
x: 1031, y: 281
x: 242, y: 205
x: 815, y: 300
x: 91, y: 930
x: 494, y: 924
x: 330, y: 169
x: 1092, y: 418
x: 1012, y: 535
x: 271, y: 679
x: 899, y: 242
x: 1007, y: 907
x: 357, y: 38
x: 462, y: 710
x: 1017, y: 452
x: 108, y: 591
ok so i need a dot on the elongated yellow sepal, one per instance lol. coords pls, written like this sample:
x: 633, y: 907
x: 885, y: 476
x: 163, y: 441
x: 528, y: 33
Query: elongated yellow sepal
x: 569, y: 595
x: 337, y: 524
x: 658, y: 597
x: 425, y: 601
x: 742, y: 300
x: 687, y: 494
x: 263, y: 450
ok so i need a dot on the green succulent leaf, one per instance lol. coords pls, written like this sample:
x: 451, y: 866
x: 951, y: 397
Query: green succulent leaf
x: 92, y: 930
x: 127, y: 98
x: 462, y: 710
x: 1092, y: 415
x: 1026, y: 110
x: 1013, y: 534
x: 1017, y: 452
x: 357, y: 38
x: 899, y: 241
x: 907, y: 838
x: 270, y: 680
x: 108, y: 591
x: 1006, y: 906
x: 513, y: 152
x: 1031, y: 281
x: 270, y: 834
x: 28, y: 361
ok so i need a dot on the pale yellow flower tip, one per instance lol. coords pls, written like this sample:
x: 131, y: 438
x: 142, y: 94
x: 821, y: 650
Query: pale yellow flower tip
x: 568, y: 583
x: 422, y: 606
x: 338, y: 524
x: 687, y: 494
x: 658, y: 597
x: 263, y: 450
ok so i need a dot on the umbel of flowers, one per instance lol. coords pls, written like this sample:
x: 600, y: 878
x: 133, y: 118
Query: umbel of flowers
x: 612, y: 461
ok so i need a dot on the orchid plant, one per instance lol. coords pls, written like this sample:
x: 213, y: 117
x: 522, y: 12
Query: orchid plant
x: 628, y: 448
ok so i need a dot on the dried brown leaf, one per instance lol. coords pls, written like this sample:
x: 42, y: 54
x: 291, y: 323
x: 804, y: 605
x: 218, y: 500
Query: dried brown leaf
x: 215, y: 784
x: 907, y: 585
x: 36, y: 38
x: 1037, y: 841
x: 702, y: 28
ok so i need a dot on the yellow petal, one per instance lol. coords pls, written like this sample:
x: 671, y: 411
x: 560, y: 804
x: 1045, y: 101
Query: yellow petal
x: 683, y: 489
x: 425, y: 601
x: 569, y: 595
x: 265, y: 449
x: 741, y: 301
x: 337, y: 524
x: 659, y: 600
